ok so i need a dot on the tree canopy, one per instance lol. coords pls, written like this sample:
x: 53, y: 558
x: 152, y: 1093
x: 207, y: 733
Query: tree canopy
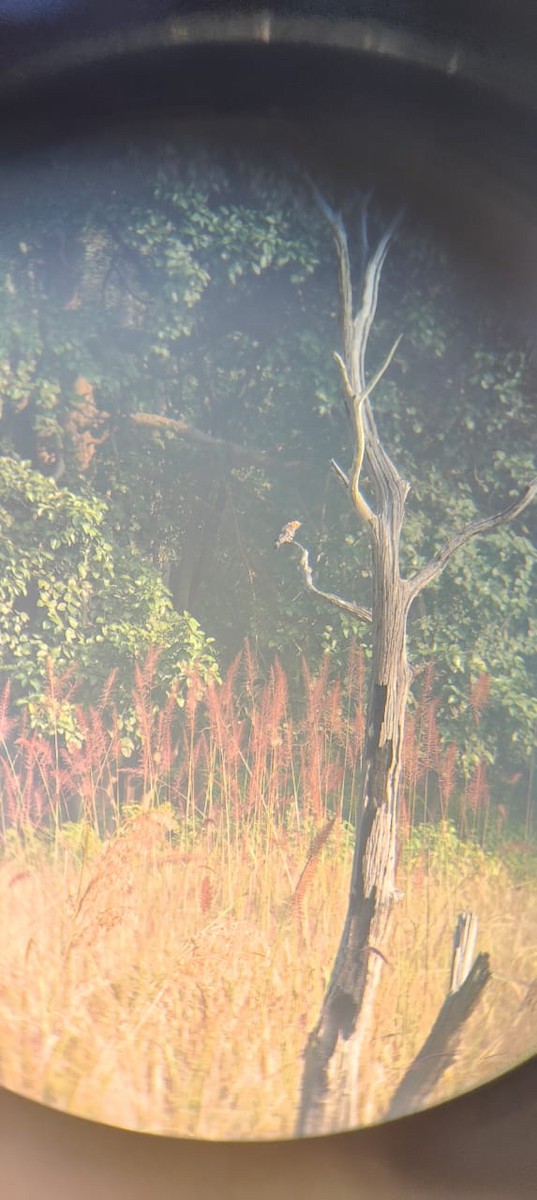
x: 169, y: 399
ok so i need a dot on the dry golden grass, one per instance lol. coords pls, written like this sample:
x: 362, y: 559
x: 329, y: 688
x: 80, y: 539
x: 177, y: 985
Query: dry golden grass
x: 169, y: 986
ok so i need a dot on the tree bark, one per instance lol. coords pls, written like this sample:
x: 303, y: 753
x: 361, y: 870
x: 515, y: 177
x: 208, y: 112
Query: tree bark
x: 468, y: 979
x: 330, y: 1092
x: 331, y: 1082
x: 329, y: 1097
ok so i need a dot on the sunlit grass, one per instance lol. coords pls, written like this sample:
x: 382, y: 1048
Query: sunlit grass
x: 133, y: 992
x: 165, y: 953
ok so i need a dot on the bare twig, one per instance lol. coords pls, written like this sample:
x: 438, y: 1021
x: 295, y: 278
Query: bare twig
x: 343, y: 478
x: 355, y: 610
x: 437, y: 564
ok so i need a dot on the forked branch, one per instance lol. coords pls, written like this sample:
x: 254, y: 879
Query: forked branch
x: 356, y: 329
x: 440, y: 561
x: 353, y: 483
x: 355, y: 610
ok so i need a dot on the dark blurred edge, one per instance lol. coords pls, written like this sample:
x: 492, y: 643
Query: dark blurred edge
x: 452, y: 135
x: 495, y: 29
x: 481, y: 1145
x: 439, y: 124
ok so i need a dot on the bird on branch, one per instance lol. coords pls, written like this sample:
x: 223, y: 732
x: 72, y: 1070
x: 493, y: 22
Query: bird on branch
x: 287, y: 534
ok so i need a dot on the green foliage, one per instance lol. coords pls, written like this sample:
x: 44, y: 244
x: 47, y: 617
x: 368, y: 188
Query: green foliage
x: 72, y: 600
x: 444, y: 852
x: 186, y: 283
x: 167, y: 284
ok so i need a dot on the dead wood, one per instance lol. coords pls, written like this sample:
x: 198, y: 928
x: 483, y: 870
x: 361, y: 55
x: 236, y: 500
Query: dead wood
x: 467, y: 982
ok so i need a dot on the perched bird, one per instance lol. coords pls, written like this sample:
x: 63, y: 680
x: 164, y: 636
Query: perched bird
x: 287, y: 533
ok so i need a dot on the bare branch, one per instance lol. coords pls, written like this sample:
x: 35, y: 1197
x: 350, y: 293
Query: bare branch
x: 191, y: 434
x: 363, y: 321
x: 363, y: 228
x: 343, y: 478
x: 345, y: 277
x: 437, y: 564
x: 358, y: 500
x: 355, y: 610
x: 467, y: 979
x: 373, y: 382
x: 345, y: 280
x: 356, y: 330
x: 381, y: 371
x: 438, y: 1051
x: 344, y: 375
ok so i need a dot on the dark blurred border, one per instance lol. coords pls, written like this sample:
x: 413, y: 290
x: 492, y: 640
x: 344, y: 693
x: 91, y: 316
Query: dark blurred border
x: 484, y: 1144
x: 487, y: 26
x: 481, y: 1147
x: 494, y: 39
x: 444, y: 97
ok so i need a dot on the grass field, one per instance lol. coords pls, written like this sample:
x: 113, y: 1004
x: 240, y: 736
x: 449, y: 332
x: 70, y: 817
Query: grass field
x: 165, y: 949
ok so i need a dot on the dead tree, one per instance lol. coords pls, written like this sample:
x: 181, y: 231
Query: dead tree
x: 331, y: 1082
x: 468, y: 979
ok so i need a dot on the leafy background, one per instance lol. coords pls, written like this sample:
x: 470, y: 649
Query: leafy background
x: 197, y: 286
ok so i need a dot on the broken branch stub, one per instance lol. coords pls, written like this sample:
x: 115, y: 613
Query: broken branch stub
x: 467, y: 981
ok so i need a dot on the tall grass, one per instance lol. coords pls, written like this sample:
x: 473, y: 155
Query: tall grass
x: 243, y: 748
x: 173, y: 912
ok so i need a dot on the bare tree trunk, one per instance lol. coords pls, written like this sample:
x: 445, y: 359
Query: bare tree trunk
x: 330, y: 1092
x: 331, y: 1081
x: 329, y: 1096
